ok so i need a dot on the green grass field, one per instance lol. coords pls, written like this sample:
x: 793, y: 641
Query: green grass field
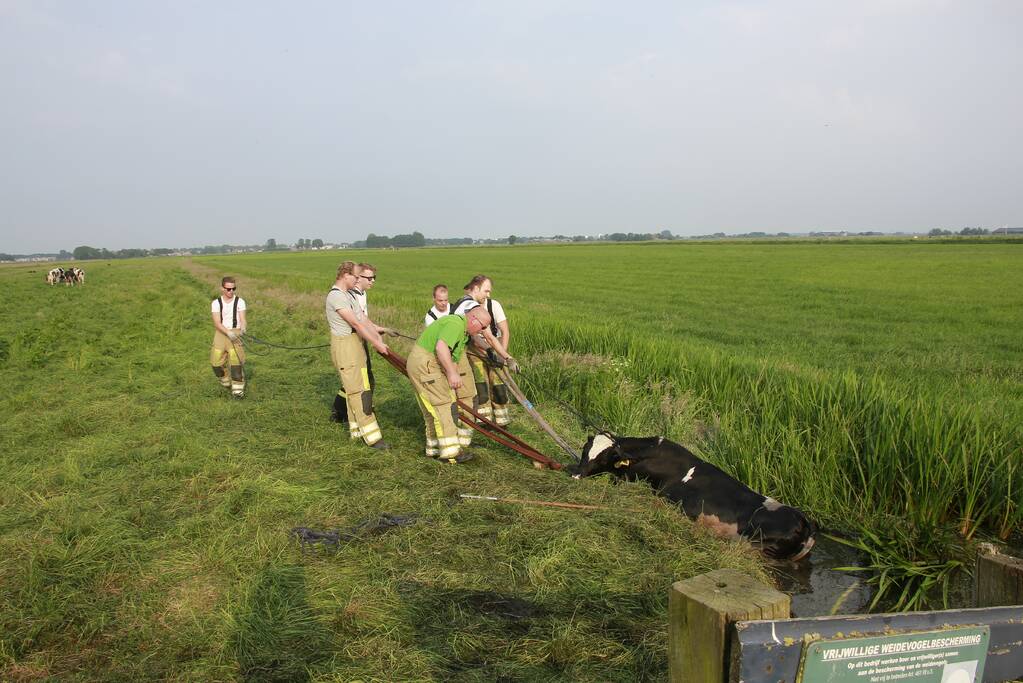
x: 144, y: 515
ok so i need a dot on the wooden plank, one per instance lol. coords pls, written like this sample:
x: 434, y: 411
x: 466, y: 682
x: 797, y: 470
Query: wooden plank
x: 998, y: 580
x: 700, y: 611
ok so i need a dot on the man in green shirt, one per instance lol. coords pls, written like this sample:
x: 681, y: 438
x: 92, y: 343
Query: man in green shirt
x: 432, y: 367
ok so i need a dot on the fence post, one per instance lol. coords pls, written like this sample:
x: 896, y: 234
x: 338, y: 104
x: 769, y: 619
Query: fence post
x: 998, y: 580
x: 700, y: 611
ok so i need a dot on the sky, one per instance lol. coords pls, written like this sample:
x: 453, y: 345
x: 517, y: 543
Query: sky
x: 143, y: 124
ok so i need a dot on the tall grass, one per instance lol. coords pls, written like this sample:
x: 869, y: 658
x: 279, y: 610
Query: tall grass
x: 861, y: 455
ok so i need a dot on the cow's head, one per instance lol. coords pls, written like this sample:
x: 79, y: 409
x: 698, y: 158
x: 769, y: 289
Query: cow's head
x: 600, y: 454
x: 781, y: 532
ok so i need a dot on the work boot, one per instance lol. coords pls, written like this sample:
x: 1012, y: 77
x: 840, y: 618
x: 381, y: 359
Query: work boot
x: 459, y: 459
x: 334, y: 417
x: 381, y: 445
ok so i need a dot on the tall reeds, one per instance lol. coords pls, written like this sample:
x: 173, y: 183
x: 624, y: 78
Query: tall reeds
x: 861, y: 454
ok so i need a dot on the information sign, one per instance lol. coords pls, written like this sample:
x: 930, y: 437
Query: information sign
x: 948, y: 656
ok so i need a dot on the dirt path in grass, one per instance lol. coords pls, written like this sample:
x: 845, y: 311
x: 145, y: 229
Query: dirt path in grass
x: 291, y: 302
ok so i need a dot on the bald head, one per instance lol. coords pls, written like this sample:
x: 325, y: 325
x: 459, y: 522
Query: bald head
x: 476, y: 319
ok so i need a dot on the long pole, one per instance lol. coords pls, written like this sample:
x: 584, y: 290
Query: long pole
x: 534, y: 413
x: 545, y: 503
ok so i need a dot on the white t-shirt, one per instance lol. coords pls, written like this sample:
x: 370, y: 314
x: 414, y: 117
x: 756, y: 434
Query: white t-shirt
x: 469, y: 304
x: 436, y: 314
x: 225, y: 317
x: 361, y: 299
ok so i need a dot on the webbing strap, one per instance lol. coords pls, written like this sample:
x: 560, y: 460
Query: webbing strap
x: 234, y: 312
x: 489, y: 429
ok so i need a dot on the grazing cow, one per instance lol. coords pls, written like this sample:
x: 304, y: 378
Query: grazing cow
x: 77, y: 276
x: 54, y: 276
x: 705, y: 493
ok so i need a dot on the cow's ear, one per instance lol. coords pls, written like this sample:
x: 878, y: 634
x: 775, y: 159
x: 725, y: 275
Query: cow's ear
x: 623, y: 463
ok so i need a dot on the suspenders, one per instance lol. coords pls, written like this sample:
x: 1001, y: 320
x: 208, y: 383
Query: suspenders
x: 234, y: 312
x: 490, y: 310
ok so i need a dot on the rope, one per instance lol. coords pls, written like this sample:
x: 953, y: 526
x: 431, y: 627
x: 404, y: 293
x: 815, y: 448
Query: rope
x: 246, y: 337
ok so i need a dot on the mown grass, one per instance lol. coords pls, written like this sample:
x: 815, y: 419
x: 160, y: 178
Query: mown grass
x: 144, y: 515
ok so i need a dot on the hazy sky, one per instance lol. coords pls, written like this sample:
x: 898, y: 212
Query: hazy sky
x: 148, y: 124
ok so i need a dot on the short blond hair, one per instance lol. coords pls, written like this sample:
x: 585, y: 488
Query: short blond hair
x: 348, y: 267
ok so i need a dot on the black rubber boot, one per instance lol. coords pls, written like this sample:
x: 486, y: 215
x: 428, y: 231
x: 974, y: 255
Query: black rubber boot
x: 339, y: 413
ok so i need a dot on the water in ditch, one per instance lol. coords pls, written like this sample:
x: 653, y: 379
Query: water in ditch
x: 816, y: 586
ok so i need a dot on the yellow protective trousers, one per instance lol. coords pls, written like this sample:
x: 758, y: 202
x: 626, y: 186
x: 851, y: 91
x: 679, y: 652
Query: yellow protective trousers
x: 492, y: 393
x: 466, y: 394
x: 350, y: 360
x: 436, y: 401
x: 228, y: 361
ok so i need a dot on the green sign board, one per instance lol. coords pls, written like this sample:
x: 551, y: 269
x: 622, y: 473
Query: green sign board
x: 953, y: 655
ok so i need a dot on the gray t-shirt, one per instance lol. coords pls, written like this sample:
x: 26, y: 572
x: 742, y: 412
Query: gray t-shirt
x: 338, y: 299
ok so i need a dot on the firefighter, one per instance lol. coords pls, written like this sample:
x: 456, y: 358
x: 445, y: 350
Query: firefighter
x: 491, y: 393
x: 227, y: 355
x: 349, y: 327
x: 433, y: 370
x: 441, y: 307
x: 365, y: 278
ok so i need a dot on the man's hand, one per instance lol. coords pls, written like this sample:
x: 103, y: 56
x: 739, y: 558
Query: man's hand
x: 232, y: 335
x: 455, y: 380
x: 513, y: 365
x: 381, y: 347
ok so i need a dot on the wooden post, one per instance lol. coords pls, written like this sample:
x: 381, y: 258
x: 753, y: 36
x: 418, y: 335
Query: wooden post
x: 700, y: 611
x: 998, y: 580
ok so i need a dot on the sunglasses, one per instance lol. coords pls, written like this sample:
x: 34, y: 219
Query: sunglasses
x: 230, y: 289
x: 371, y: 278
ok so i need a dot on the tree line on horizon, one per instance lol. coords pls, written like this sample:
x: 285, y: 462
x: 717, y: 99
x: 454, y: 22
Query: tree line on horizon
x: 417, y: 239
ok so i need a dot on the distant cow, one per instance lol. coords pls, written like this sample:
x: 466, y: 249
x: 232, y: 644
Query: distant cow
x: 77, y: 276
x: 54, y: 276
x: 705, y: 493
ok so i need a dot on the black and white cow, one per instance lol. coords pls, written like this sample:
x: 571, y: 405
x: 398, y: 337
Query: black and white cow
x: 705, y: 493
x: 54, y: 276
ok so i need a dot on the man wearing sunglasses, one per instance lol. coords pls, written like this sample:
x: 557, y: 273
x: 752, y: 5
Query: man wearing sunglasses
x: 350, y: 327
x: 365, y: 278
x: 227, y: 355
